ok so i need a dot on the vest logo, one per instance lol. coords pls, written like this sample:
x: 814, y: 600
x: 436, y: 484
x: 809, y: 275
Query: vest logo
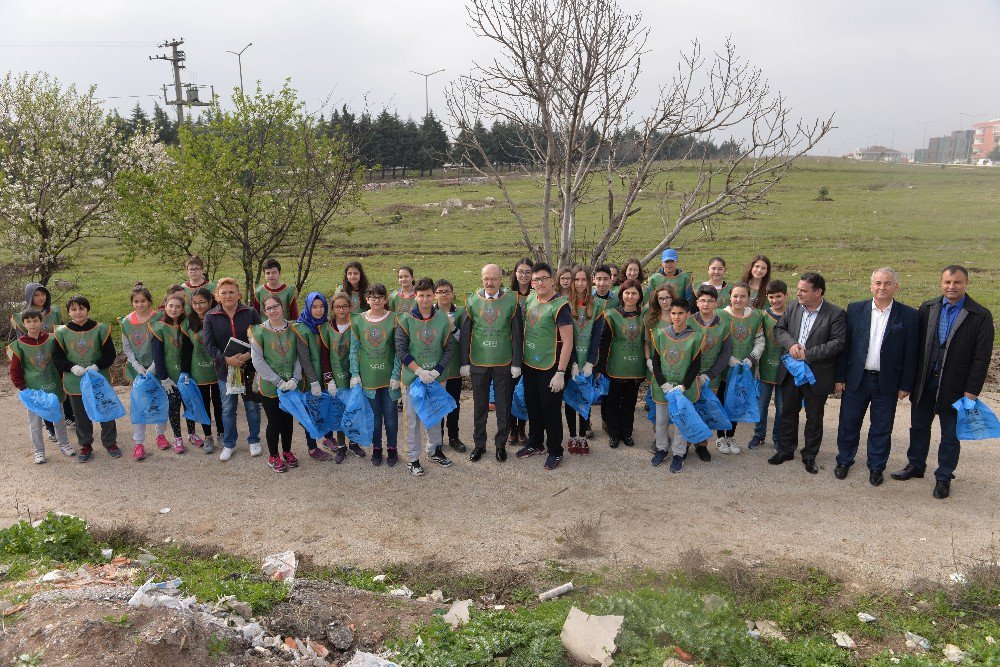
x: 740, y: 330
x: 140, y: 336
x: 280, y: 345
x: 343, y: 347
x: 40, y: 360
x: 83, y: 346
x: 674, y: 356
x: 489, y: 312
x: 631, y: 330
x: 426, y: 335
x: 374, y: 336
x: 534, y: 315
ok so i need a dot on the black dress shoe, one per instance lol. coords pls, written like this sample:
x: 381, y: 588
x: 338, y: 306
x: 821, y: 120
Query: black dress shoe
x: 614, y: 443
x: 810, y: 466
x: 703, y: 453
x: 875, y: 478
x: 840, y: 472
x: 629, y: 442
x: 457, y: 445
x: 501, y: 453
x: 779, y: 458
x: 908, y: 472
x: 477, y: 453
x: 942, y: 489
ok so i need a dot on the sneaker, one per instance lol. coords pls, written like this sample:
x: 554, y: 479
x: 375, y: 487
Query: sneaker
x: 319, y: 455
x: 255, y: 449
x: 391, y: 458
x: 209, y: 446
x: 39, y: 457
x: 290, y: 459
x: 329, y: 444
x: 415, y: 468
x: 584, y: 448
x: 341, y: 454
x: 457, y: 445
x: 493, y: 407
x: 527, y: 451
x: 227, y: 453
x: 139, y: 453
x: 114, y: 452
x: 439, y: 458
x: 552, y: 462
x: 571, y: 446
x: 512, y: 438
x: 733, y: 447
x: 52, y: 437
x: 67, y: 450
x: 399, y: 405
x: 162, y: 442
x: 522, y: 437
x: 722, y: 445
x: 614, y: 443
x: 703, y: 453
x: 195, y: 440
x: 276, y: 464
x: 677, y: 463
x: 85, y: 453
x: 628, y: 442
x: 590, y: 434
x: 179, y: 447
x: 376, y: 457
x: 755, y: 442
x: 357, y: 450
x: 70, y: 423
x: 659, y: 457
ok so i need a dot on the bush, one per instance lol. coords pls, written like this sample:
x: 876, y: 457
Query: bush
x: 57, y: 537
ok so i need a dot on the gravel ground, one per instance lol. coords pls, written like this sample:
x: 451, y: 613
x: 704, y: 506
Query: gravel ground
x: 479, y: 516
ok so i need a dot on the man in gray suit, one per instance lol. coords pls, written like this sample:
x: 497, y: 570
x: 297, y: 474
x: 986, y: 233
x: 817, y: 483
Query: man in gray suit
x: 815, y: 332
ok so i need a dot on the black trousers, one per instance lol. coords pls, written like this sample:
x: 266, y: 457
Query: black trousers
x: 792, y: 398
x: 721, y: 395
x: 503, y: 394
x: 619, y: 407
x: 572, y: 417
x: 279, y: 426
x: 544, y: 413
x: 212, y: 398
x: 454, y: 388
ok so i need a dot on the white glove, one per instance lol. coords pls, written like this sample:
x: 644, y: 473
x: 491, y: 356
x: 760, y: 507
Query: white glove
x: 186, y: 381
x: 558, y: 382
x: 287, y: 385
x: 331, y: 388
x: 748, y: 362
x: 733, y: 361
x: 93, y: 367
x: 138, y: 368
x: 355, y: 381
x: 574, y: 371
x: 667, y: 387
x: 314, y: 389
x: 151, y: 369
x: 703, y: 379
x: 435, y: 373
x: 679, y: 387
x: 588, y: 369
x: 78, y: 370
x: 515, y: 372
x: 465, y: 371
x: 424, y: 375
x: 168, y: 384
x: 394, y: 384
x: 649, y: 365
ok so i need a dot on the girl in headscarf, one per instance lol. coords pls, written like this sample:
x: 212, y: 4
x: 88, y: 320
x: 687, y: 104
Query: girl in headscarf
x: 313, y: 315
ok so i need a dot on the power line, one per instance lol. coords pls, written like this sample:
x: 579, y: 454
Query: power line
x: 144, y: 45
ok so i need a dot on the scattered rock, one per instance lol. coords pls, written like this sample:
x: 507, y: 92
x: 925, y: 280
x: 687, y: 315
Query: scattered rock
x: 146, y: 559
x: 914, y: 640
x: 590, y: 639
x: 401, y: 592
x: 453, y: 202
x: 320, y: 650
x: 957, y: 578
x: 769, y: 630
x: 54, y: 575
x: 865, y: 618
x: 251, y: 631
x: 444, y: 212
x: 4, y: 569
x: 990, y: 640
x: 490, y: 200
x: 362, y: 659
x: 241, y: 608
x: 954, y: 654
x: 459, y: 613
x: 340, y: 636
x: 674, y: 662
x: 290, y: 643
x: 843, y: 640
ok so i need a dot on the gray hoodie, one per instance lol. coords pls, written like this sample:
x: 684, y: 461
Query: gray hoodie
x: 29, y: 294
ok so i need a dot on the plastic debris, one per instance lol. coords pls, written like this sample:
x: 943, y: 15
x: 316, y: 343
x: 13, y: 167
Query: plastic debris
x: 107, y: 553
x: 141, y: 598
x: 957, y: 578
x: 769, y: 630
x: 362, y: 659
x: 865, y: 618
x: 556, y: 592
x: 281, y: 566
x: 590, y: 639
x: 913, y: 640
x: 401, y: 592
x: 843, y: 640
x: 165, y: 510
x: 459, y: 613
x: 379, y: 578
x: 954, y: 654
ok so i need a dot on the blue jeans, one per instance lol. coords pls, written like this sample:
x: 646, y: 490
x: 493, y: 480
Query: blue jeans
x: 229, y: 418
x: 385, y: 414
x: 853, y: 407
x: 921, y: 418
x: 763, y: 402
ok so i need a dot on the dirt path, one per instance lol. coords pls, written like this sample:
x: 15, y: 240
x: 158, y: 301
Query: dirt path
x: 477, y: 516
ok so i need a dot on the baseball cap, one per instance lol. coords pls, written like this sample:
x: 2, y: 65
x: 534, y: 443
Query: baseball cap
x: 668, y: 255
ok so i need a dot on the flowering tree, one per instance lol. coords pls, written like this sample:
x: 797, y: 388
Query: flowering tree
x: 59, y: 160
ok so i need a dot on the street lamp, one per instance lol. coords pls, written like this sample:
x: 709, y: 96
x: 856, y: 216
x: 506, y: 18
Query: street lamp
x: 925, y: 123
x: 239, y: 58
x: 892, y: 139
x: 427, y: 105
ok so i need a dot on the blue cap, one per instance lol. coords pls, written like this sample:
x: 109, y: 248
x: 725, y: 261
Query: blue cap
x: 668, y: 255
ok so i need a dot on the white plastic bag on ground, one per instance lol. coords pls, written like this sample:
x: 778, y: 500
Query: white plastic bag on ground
x: 281, y: 567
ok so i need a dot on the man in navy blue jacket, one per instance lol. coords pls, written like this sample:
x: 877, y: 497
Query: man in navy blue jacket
x: 877, y: 367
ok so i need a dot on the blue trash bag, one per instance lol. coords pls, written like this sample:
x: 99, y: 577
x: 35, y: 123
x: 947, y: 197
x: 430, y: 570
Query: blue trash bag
x: 337, y: 413
x: 194, y: 405
x: 975, y: 420
x: 686, y: 416
x: 42, y: 403
x: 799, y: 369
x: 431, y: 402
x: 313, y: 412
x: 601, y: 387
x: 579, y: 394
x: 359, y: 419
x: 710, y: 409
x: 148, y: 403
x: 651, y: 405
x: 99, y: 398
x: 517, y: 406
x: 742, y: 395
x: 492, y: 394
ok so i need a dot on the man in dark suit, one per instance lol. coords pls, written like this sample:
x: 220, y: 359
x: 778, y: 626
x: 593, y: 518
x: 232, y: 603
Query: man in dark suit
x: 877, y: 367
x: 814, y: 332
x: 954, y: 345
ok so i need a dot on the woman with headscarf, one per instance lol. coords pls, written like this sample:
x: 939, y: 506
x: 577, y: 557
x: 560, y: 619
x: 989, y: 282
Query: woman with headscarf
x: 313, y: 315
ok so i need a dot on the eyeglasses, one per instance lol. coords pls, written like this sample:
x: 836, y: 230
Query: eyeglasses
x: 273, y: 306
x: 199, y: 303
x: 376, y: 296
x: 443, y: 292
x: 342, y: 305
x: 540, y: 279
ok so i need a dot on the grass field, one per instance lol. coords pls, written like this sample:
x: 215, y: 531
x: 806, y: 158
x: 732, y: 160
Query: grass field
x: 914, y: 218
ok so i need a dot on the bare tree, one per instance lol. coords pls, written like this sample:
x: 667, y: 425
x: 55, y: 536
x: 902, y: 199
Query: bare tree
x: 567, y: 73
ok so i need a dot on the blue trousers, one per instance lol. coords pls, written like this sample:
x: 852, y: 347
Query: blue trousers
x: 385, y: 414
x: 853, y: 406
x: 229, y: 418
x: 921, y: 418
x: 763, y: 402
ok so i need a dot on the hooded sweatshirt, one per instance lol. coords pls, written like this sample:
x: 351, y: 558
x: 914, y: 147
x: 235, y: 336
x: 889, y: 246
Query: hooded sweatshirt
x: 50, y: 317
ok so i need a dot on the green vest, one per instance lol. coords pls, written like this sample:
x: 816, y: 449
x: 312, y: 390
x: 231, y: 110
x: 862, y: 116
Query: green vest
x: 771, y: 358
x: 682, y: 282
x: 189, y: 291
x: 743, y: 332
x: 611, y: 302
x: 452, y: 370
x: 36, y: 364
x: 170, y: 336
x: 723, y: 295
x: 280, y: 353
x: 202, y: 364
x: 583, y: 330
x: 356, y: 300
x: 541, y: 335
x: 313, y: 343
x: 82, y: 348
x: 626, y: 358
x: 428, y: 339
x: 401, y: 304
x: 675, y: 360
x: 376, y: 349
x: 714, y: 336
x: 338, y: 343
x: 49, y: 321
x: 141, y: 340
x: 490, y: 343
x: 285, y: 294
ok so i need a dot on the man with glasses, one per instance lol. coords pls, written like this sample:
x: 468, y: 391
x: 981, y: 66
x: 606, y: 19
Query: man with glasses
x: 815, y: 332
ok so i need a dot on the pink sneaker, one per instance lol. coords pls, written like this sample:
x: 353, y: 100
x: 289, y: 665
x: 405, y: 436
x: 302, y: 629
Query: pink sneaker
x: 179, y: 445
x: 319, y: 454
x: 139, y: 453
x: 162, y: 442
x: 329, y: 444
x: 195, y: 440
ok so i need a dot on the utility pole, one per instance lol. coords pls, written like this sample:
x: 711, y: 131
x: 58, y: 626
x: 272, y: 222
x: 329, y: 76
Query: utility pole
x: 176, y: 59
x: 427, y: 105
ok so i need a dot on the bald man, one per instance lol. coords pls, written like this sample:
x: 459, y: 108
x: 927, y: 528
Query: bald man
x: 491, y: 352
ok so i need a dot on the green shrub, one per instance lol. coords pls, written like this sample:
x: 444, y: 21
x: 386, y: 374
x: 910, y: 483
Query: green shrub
x: 57, y: 537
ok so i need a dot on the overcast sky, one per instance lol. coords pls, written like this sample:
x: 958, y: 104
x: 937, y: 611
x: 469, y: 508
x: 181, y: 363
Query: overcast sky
x: 884, y: 66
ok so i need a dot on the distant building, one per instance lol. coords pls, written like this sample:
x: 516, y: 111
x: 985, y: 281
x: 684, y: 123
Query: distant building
x: 986, y: 137
x: 879, y: 154
x: 956, y: 147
